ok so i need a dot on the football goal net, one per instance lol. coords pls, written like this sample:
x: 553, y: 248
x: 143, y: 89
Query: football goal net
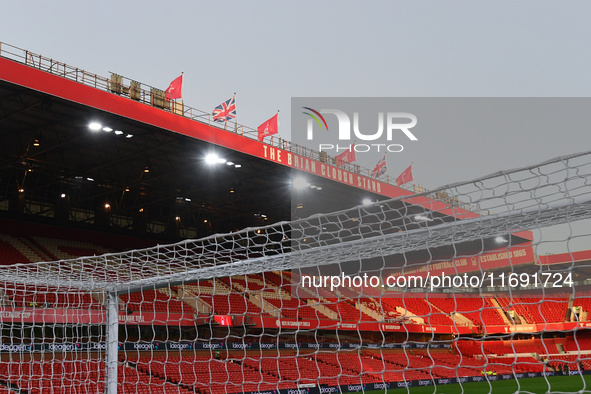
x: 479, y: 281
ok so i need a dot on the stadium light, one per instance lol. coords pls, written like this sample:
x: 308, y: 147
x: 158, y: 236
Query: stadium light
x: 95, y: 126
x: 501, y: 240
x: 422, y: 218
x: 366, y: 201
x: 213, y: 159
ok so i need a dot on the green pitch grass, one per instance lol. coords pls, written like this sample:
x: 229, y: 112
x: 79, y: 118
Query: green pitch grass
x: 572, y: 384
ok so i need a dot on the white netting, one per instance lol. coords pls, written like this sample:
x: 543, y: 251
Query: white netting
x: 234, y: 313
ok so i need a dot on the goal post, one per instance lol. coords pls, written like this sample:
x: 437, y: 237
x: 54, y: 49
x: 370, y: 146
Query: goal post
x: 112, y: 343
x: 476, y: 281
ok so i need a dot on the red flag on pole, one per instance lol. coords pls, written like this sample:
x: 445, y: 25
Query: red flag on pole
x: 405, y: 177
x: 268, y: 128
x: 347, y: 156
x: 175, y: 89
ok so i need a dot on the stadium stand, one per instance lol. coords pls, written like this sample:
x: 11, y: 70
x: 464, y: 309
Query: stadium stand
x: 354, y: 321
x: 534, y: 310
x: 14, y: 252
x: 154, y: 301
x: 478, y: 311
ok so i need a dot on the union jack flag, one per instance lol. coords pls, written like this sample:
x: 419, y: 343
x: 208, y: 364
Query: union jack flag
x: 225, y: 111
x: 380, y: 169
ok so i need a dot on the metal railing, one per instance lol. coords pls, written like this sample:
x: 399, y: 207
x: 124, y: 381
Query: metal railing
x: 149, y: 95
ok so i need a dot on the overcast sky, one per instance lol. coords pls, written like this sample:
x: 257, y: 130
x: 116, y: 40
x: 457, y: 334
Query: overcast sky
x: 270, y: 51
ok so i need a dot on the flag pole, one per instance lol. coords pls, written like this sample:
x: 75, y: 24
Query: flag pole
x: 278, y: 129
x: 182, y: 83
x: 235, y: 118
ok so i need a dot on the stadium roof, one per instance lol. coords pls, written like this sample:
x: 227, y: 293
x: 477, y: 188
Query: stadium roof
x: 145, y: 172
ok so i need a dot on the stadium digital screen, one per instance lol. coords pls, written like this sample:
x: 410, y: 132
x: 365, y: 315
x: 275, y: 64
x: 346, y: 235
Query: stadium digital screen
x: 223, y: 320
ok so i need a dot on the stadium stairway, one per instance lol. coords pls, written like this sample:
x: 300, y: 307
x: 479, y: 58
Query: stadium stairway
x: 267, y: 307
x: 326, y: 304
x: 583, y: 301
x: 173, y: 295
x: 461, y: 320
x: 176, y: 292
x: 319, y: 304
x: 374, y: 314
x: 186, y: 294
x: 457, y: 317
x: 14, y: 250
x: 322, y: 309
x: 313, y: 307
x: 379, y: 310
x: 502, y: 312
x: 199, y: 292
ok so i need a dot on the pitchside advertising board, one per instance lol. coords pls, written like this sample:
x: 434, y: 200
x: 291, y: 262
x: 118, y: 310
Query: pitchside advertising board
x: 68, y: 347
x: 382, y: 386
